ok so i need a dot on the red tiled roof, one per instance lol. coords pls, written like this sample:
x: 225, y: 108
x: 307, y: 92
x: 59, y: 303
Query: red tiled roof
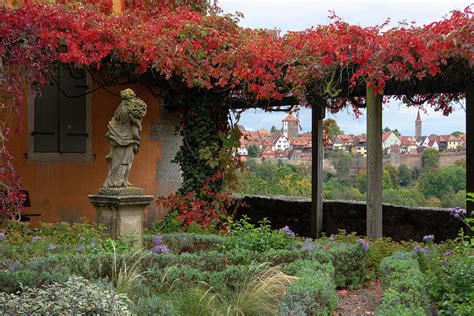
x: 290, y: 118
x: 386, y: 135
x: 346, y: 138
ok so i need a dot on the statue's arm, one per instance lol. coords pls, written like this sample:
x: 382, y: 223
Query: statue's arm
x: 137, y: 122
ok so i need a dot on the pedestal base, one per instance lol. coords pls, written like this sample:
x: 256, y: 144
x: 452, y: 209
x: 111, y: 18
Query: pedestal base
x: 122, y: 214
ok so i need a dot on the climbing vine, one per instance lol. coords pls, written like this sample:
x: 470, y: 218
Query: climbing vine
x: 192, y: 42
x: 207, y: 160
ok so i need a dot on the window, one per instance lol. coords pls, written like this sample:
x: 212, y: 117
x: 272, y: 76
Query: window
x: 60, y: 114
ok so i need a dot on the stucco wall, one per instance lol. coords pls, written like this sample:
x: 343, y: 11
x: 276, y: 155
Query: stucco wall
x: 59, y: 190
x: 399, y: 223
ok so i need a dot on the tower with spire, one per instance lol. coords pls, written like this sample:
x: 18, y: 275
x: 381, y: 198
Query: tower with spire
x: 418, y: 125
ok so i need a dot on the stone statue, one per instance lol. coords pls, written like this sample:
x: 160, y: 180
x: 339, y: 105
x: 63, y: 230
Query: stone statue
x: 124, y: 140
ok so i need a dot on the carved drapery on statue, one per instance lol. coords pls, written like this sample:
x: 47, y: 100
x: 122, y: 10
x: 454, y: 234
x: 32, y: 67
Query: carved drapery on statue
x: 124, y: 140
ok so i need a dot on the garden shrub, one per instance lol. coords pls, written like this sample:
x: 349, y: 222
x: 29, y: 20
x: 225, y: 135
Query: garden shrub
x: 404, y: 283
x: 284, y: 256
x: 349, y: 261
x: 400, y: 310
x: 76, y: 295
x: 297, y: 266
x: 450, y: 275
x: 260, y: 238
x: 187, y: 242
x: 313, y: 293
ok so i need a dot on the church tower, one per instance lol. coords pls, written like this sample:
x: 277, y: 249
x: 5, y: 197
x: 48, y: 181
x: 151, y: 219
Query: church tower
x: 290, y: 126
x: 418, y: 125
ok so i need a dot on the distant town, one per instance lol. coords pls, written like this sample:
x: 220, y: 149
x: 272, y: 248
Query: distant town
x: 288, y: 143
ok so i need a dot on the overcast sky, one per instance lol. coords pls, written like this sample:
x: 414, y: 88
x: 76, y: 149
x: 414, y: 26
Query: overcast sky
x: 295, y: 15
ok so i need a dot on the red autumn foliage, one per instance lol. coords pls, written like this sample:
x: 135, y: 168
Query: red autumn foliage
x: 204, y: 208
x: 194, y: 42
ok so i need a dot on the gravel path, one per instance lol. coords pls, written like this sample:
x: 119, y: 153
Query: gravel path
x: 362, y: 301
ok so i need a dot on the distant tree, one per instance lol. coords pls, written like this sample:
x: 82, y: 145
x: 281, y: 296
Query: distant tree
x: 343, y: 163
x: 433, y: 202
x: 274, y: 129
x: 439, y: 182
x: 405, y: 175
x: 429, y: 159
x: 404, y: 197
x: 253, y: 151
x: 395, y: 131
x: 393, y: 174
x: 460, y: 163
x: 457, y: 133
x: 362, y: 180
x: 331, y: 126
x: 416, y: 173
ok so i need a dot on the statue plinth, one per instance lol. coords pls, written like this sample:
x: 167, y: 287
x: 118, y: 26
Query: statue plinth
x: 121, y: 213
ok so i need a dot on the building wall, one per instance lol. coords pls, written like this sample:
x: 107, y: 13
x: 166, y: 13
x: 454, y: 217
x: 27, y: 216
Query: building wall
x: 59, y: 190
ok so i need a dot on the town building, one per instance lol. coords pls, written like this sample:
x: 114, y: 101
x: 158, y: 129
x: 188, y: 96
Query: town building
x: 388, y: 140
x: 418, y: 123
x: 290, y: 126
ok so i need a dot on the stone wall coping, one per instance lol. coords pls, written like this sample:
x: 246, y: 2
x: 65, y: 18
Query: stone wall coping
x: 97, y: 199
x: 286, y: 198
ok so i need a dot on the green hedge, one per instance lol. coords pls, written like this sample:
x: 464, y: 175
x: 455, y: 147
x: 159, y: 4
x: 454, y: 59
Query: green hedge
x: 405, y: 286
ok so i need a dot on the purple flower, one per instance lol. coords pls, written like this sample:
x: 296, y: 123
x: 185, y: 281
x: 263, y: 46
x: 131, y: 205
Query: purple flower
x: 36, y: 238
x: 158, y: 239
x: 448, y: 253
x: 2, y: 235
x: 288, y: 231
x: 160, y: 249
x: 423, y: 250
x: 428, y: 238
x: 331, y: 238
x: 457, y: 211
x: 308, y: 245
x: 80, y: 249
x: 52, y: 248
x: 364, y: 244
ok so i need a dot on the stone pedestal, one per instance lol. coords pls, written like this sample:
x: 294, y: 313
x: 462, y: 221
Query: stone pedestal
x: 122, y: 214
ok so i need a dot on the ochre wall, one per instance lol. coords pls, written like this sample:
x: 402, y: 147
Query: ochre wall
x: 59, y: 191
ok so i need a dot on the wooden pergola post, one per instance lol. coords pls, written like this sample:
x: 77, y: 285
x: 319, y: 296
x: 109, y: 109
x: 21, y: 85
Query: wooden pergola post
x: 470, y: 143
x: 317, y: 116
x: 374, y: 164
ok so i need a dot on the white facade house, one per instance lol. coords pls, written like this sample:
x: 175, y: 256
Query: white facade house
x: 389, y: 139
x: 242, y: 151
x: 280, y: 142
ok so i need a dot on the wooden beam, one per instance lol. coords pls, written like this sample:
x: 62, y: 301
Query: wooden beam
x: 374, y: 164
x: 317, y: 115
x: 470, y: 143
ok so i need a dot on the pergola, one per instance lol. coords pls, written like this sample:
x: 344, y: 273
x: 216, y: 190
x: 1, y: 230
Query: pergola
x: 374, y: 147
x: 449, y: 81
x: 211, y: 54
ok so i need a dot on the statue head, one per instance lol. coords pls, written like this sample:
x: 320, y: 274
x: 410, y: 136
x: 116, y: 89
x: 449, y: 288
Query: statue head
x: 130, y: 105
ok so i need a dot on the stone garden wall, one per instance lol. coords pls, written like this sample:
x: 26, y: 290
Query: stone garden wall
x: 399, y: 223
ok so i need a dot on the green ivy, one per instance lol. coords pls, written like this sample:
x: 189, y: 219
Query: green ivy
x: 201, y: 122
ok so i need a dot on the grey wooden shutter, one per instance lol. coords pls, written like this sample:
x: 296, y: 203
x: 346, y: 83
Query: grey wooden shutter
x: 46, y: 118
x: 72, y: 111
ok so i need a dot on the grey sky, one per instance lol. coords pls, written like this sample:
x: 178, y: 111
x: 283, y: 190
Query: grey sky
x: 297, y: 15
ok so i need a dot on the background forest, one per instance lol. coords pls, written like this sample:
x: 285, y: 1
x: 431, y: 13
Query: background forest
x: 431, y: 186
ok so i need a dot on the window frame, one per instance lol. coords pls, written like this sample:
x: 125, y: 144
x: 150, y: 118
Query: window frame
x: 58, y: 156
